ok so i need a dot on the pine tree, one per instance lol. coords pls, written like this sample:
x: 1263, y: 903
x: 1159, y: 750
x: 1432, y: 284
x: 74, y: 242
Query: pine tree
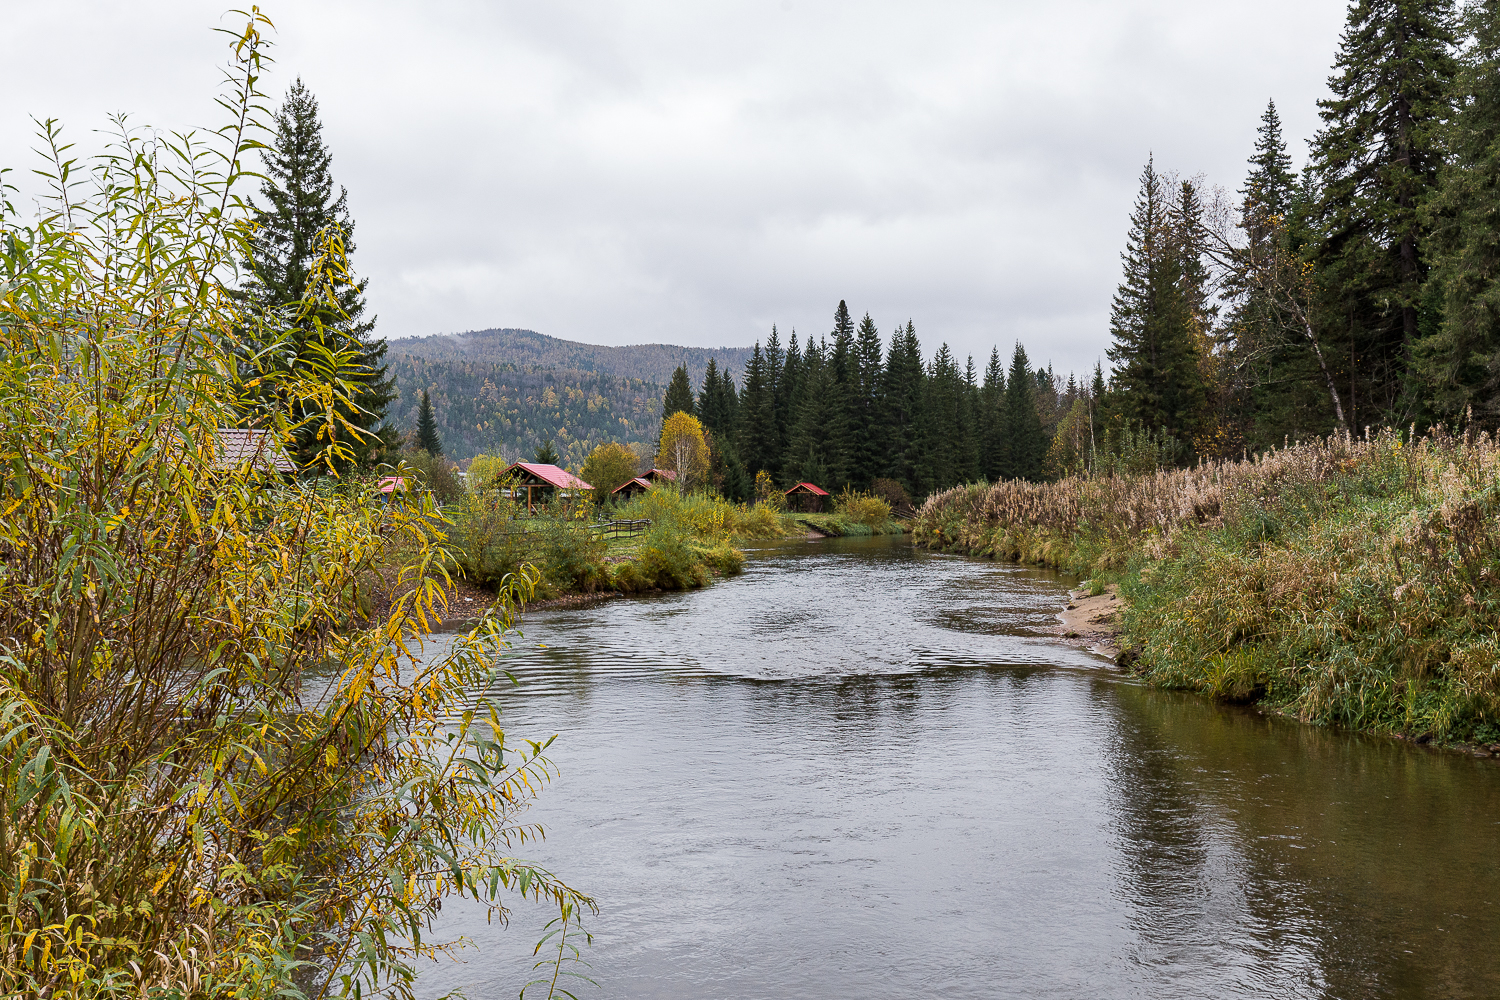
x: 967, y: 459
x: 788, y: 398
x: 1027, y: 442
x: 679, y: 396
x: 991, y: 420
x: 427, y: 431
x: 1270, y: 186
x: 904, y: 389
x: 843, y: 403
x: 869, y: 438
x: 1158, y: 348
x: 1376, y: 161
x: 808, y: 456
x: 299, y: 217
x: 546, y: 454
x: 1459, y: 365
x: 759, y: 442
x: 943, y: 438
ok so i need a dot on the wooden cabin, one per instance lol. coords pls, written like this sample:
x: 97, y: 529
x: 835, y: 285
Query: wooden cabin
x: 656, y: 476
x: 631, y: 488
x: 806, y: 498
x: 539, y: 482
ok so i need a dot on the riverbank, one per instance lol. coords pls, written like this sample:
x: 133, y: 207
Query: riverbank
x: 1350, y: 583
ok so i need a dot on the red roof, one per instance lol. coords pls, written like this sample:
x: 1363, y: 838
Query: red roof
x: 637, y: 481
x: 816, y: 491
x: 653, y: 473
x: 550, y: 474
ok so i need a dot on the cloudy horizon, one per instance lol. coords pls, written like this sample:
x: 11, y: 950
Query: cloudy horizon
x: 692, y: 174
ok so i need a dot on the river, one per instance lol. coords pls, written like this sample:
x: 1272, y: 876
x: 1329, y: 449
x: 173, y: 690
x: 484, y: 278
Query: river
x: 864, y: 770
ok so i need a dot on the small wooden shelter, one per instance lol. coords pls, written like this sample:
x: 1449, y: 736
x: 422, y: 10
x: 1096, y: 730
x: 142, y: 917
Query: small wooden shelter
x: 806, y: 498
x: 540, y: 481
x: 653, y: 476
x: 631, y: 488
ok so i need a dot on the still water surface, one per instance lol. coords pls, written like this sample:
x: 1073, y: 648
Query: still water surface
x: 862, y: 770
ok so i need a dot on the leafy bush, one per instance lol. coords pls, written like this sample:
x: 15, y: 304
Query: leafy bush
x: 206, y: 776
x: 435, y: 473
x: 862, y: 508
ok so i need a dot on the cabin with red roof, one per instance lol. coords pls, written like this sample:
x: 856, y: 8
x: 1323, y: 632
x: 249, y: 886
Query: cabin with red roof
x: 631, y: 488
x: 539, y: 482
x: 659, y: 475
x: 806, y: 498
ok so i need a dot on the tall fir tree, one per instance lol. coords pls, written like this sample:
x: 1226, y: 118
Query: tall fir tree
x: 843, y: 403
x: 904, y: 390
x: 427, y: 429
x: 759, y: 442
x: 809, y: 457
x: 1158, y: 349
x: 1027, y: 442
x: 788, y: 399
x: 991, y: 420
x: 1459, y: 365
x: 1270, y: 185
x: 1376, y: 161
x: 869, y: 441
x: 297, y: 220
x: 943, y: 437
x: 679, y: 395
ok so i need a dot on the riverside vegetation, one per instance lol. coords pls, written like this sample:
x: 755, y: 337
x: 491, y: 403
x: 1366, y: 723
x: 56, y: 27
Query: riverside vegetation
x: 1353, y: 582
x: 210, y: 784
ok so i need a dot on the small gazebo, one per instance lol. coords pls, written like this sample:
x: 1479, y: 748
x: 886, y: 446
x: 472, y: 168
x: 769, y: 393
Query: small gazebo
x: 540, y: 481
x: 806, y: 498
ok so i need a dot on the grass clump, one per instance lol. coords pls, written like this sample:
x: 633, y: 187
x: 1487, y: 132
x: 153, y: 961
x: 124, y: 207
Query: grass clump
x: 1346, y: 582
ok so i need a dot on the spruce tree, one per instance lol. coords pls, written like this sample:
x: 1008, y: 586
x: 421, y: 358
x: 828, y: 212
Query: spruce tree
x: 1158, y: 345
x: 942, y: 439
x: 1459, y: 365
x: 299, y: 217
x: 546, y: 454
x: 991, y: 419
x: 427, y: 430
x: 967, y: 460
x: 843, y: 403
x: 869, y: 439
x: 1270, y: 186
x: 758, y: 438
x: 1027, y: 442
x: 679, y: 395
x: 808, y: 456
x: 904, y: 390
x: 1376, y: 161
x: 788, y: 398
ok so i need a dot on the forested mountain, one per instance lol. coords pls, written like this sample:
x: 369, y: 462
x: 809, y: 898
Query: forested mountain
x: 529, y: 349
x: 488, y: 407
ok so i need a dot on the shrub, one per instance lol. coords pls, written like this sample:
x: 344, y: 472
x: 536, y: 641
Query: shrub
x: 435, y: 473
x: 207, y: 778
x: 862, y: 508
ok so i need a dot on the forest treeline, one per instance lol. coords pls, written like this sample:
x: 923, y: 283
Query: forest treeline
x: 1358, y: 291
x: 847, y: 409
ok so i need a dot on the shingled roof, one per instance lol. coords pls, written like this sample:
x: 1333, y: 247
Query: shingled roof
x: 242, y: 445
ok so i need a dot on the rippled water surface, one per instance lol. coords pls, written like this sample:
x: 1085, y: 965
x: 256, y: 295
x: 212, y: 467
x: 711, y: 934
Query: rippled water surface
x: 862, y: 770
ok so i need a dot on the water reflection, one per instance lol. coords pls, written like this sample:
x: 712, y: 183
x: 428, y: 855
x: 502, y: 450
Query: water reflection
x: 863, y: 770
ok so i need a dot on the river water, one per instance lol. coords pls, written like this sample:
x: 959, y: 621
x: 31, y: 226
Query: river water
x: 864, y: 770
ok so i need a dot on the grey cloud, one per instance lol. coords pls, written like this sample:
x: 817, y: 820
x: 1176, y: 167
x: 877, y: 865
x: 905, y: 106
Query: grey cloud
x: 692, y: 172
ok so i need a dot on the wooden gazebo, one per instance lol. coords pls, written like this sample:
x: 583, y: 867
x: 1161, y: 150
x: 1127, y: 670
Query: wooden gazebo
x: 806, y: 498
x: 540, y: 481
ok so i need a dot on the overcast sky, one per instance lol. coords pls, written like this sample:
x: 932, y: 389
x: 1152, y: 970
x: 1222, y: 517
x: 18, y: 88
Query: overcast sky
x: 692, y: 172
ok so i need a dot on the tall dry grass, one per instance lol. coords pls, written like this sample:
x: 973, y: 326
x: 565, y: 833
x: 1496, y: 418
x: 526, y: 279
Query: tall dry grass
x: 1354, y: 582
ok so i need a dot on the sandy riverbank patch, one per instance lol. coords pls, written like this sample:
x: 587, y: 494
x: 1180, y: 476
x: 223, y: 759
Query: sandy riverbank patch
x: 1093, y: 620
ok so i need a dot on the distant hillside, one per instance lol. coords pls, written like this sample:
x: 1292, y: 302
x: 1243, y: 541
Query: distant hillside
x: 527, y: 348
x: 507, y: 391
